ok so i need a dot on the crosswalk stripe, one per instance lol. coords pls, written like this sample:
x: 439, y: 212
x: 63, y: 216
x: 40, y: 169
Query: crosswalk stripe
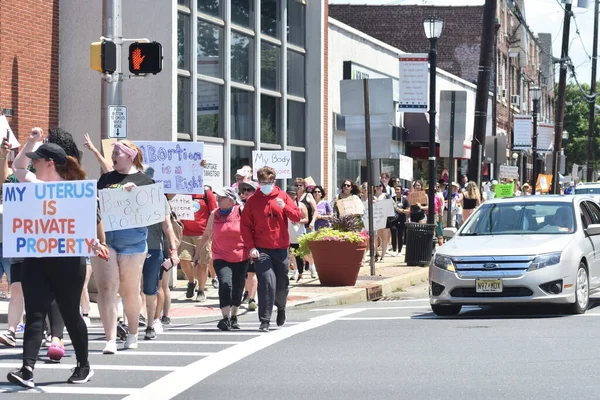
x: 124, y: 353
x: 70, y: 390
x: 97, y: 367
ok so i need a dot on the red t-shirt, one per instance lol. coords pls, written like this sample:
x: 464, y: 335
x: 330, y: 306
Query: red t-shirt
x: 203, y: 205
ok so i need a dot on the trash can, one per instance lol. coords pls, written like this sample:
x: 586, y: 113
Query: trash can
x: 419, y: 243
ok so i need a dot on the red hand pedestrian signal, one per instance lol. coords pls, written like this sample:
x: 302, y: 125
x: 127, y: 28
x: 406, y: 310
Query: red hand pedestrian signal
x: 145, y: 58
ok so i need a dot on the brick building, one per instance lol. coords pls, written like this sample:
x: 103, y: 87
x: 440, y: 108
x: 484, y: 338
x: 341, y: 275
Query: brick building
x: 29, y: 64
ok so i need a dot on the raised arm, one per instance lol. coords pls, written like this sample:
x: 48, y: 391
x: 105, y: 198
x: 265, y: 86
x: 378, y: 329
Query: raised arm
x: 22, y: 162
x: 5, y: 171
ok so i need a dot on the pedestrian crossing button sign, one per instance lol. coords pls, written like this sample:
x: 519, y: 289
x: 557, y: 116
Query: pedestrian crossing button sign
x: 118, y: 122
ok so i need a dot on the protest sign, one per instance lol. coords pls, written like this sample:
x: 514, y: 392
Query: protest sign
x: 508, y: 172
x: 6, y: 130
x: 381, y: 211
x: 281, y: 161
x: 417, y: 197
x: 350, y: 206
x: 142, y: 206
x: 183, y: 206
x: 107, y: 147
x: 176, y: 165
x: 505, y: 190
x: 49, y: 219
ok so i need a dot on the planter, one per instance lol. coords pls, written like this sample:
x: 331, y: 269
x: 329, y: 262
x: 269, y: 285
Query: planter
x: 337, y: 263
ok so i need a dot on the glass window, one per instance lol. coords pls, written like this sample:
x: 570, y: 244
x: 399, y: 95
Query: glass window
x: 296, y: 133
x: 242, y: 12
x: 346, y: 169
x: 208, y: 49
x: 240, y: 156
x: 183, y: 29
x: 296, y: 22
x: 298, y: 167
x: 210, y: 7
x: 269, y: 17
x: 183, y: 105
x: 295, y: 70
x: 269, y: 118
x: 242, y: 114
x: 209, y: 107
x: 183, y: 2
x: 242, y: 49
x: 269, y: 66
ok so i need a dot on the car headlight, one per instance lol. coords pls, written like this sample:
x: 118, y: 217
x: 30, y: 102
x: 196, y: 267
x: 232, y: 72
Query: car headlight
x: 544, y: 260
x: 444, y: 262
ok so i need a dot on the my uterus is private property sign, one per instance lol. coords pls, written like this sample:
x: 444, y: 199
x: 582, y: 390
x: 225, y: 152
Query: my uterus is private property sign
x: 49, y: 219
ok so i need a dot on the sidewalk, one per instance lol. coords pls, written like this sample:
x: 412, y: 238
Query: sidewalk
x: 392, y: 275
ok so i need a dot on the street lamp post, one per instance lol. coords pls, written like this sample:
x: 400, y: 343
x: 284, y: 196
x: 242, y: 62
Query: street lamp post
x: 433, y: 29
x: 535, y: 93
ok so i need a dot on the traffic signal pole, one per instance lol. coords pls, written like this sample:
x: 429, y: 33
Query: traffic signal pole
x: 112, y: 90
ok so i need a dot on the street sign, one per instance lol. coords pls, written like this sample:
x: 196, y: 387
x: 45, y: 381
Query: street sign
x: 118, y: 122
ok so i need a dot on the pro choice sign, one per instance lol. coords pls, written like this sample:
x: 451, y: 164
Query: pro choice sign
x: 49, y: 219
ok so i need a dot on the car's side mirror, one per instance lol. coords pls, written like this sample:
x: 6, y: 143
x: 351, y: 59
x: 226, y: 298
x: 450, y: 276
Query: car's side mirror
x: 450, y: 232
x: 593, y: 229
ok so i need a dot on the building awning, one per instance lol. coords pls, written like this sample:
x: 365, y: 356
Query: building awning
x: 417, y: 127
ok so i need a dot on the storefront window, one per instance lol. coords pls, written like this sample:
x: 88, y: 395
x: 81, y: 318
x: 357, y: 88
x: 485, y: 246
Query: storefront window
x: 269, y: 66
x: 295, y: 78
x: 209, y: 109
x: 183, y: 27
x: 345, y: 169
x: 298, y: 167
x: 242, y: 113
x: 241, y: 12
x: 208, y: 49
x: 183, y: 2
x: 296, y: 133
x: 296, y: 22
x: 240, y: 156
x: 269, y: 17
x: 210, y: 7
x: 242, y: 48
x: 183, y: 105
x: 269, y: 118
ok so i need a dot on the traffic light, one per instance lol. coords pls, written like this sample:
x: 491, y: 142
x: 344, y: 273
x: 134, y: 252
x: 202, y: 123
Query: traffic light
x: 103, y: 56
x: 145, y: 58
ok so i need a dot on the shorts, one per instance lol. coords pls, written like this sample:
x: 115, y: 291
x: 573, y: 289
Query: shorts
x: 187, y: 248
x: 15, y: 272
x: 151, y: 272
x: 251, y: 266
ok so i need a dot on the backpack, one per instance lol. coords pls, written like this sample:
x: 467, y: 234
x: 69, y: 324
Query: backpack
x: 177, y: 228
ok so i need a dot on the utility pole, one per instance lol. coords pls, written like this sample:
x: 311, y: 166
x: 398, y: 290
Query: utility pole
x: 560, y: 104
x: 112, y: 91
x: 592, y: 119
x: 369, y: 175
x: 495, y: 101
x: 483, y: 86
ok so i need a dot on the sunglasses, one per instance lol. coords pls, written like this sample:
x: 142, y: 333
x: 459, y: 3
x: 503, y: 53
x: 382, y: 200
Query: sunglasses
x: 317, y: 191
x: 346, y: 185
x: 299, y: 185
x: 247, y: 190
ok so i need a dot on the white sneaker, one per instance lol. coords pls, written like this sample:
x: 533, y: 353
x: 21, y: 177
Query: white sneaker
x: 295, y: 276
x: 157, y: 325
x: 110, y: 348
x: 87, y: 321
x: 313, y: 271
x: 131, y: 342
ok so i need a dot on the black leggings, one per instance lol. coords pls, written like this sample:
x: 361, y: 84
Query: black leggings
x: 300, y: 263
x: 45, y: 279
x: 57, y: 325
x: 398, y: 236
x: 232, y: 279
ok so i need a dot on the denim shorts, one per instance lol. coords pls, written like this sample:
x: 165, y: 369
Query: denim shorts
x: 4, y: 266
x: 151, y: 272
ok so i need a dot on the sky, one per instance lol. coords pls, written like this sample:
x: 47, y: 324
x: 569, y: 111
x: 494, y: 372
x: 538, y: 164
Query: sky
x: 542, y: 16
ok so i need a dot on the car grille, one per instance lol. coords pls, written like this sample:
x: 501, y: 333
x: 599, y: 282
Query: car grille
x: 515, y: 291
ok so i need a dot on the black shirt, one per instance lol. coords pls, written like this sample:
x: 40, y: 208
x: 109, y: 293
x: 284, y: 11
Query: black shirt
x: 115, y: 179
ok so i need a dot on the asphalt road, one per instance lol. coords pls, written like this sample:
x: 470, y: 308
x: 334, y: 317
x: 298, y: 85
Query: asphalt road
x: 393, y: 349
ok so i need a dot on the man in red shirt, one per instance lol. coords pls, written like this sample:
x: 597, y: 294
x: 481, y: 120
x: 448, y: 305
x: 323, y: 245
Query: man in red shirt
x: 264, y: 229
x: 192, y: 233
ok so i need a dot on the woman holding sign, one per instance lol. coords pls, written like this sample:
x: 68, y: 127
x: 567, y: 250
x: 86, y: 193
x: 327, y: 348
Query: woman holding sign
x: 43, y: 278
x: 123, y: 271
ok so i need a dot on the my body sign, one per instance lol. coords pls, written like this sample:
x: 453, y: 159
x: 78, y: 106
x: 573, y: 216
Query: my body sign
x: 281, y: 161
x: 140, y: 207
x: 49, y: 219
x: 176, y: 165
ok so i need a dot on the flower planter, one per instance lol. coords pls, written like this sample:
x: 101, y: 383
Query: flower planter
x: 337, y: 262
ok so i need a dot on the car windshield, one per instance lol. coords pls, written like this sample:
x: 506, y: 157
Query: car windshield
x: 588, y: 190
x: 521, y: 219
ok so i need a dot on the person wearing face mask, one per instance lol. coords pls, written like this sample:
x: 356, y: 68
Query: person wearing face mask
x: 265, y: 232
x: 245, y: 190
x: 230, y: 256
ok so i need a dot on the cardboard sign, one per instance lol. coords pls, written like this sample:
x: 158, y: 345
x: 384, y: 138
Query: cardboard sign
x: 281, y: 161
x: 350, y: 206
x: 142, y: 206
x: 505, y: 190
x: 508, y: 172
x: 417, y: 197
x: 183, y: 206
x: 543, y: 183
x: 176, y: 165
x: 49, y: 219
x: 107, y: 147
x: 381, y: 211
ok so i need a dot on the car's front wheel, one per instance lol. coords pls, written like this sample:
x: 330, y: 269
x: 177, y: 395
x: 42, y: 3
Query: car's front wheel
x: 582, y: 291
x: 446, y: 310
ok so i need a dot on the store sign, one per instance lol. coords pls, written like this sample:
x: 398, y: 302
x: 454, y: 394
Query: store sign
x: 522, y: 132
x: 414, y: 73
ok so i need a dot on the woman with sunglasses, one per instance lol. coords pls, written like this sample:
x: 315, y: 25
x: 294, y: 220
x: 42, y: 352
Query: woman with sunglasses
x: 311, y: 205
x: 418, y: 203
x: 350, y: 191
x: 383, y: 235
x: 324, y: 209
x: 245, y: 191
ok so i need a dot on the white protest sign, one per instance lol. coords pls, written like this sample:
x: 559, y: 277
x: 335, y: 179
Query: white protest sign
x: 213, y: 170
x: 60, y: 219
x: 6, y: 130
x: 406, y: 168
x: 281, y: 161
x: 381, y: 211
x: 507, y: 171
x: 176, y: 165
x: 142, y: 206
x: 183, y: 206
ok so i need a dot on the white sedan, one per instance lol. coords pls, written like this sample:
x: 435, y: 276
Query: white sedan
x: 534, y: 249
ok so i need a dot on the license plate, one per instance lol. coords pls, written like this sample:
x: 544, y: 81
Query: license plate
x: 488, y: 285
